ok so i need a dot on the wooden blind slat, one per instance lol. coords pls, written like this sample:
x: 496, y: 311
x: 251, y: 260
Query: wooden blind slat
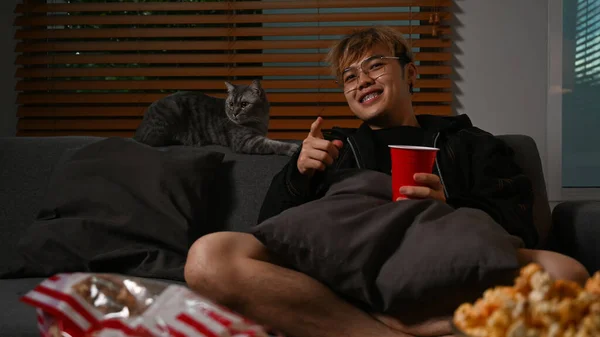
x: 136, y: 111
x: 196, y: 71
x: 148, y: 98
x: 178, y: 58
x: 194, y: 84
x: 290, y: 124
x: 181, y: 85
x: 88, y: 133
x: 194, y: 58
x: 206, y: 6
x: 196, y: 45
x: 205, y: 32
x: 132, y: 124
x: 81, y: 111
x: 64, y: 20
x: 79, y: 124
x: 275, y: 134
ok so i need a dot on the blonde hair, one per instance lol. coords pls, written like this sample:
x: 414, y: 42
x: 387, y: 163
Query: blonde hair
x: 351, y: 47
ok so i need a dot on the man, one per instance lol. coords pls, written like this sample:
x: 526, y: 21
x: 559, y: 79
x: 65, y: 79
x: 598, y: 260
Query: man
x: 375, y: 68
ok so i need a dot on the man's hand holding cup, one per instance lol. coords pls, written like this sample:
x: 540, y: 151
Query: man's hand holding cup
x: 428, y: 186
x: 411, y: 173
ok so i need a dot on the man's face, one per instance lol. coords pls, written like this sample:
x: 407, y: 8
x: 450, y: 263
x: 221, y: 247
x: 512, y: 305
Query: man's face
x: 382, y: 101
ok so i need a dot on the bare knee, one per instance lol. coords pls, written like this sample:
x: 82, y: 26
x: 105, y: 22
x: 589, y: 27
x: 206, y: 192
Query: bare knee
x: 559, y: 266
x: 211, y: 263
x: 573, y: 270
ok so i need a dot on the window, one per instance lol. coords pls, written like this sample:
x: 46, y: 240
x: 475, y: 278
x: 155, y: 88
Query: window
x: 574, y: 111
x: 581, y: 84
x: 92, y: 67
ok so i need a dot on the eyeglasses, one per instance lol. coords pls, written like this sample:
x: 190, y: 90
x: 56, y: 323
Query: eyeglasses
x: 374, y: 67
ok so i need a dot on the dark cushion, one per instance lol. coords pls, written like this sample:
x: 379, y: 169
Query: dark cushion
x: 388, y: 256
x: 26, y: 164
x: 18, y: 318
x: 527, y: 157
x: 576, y: 231
x: 243, y: 181
x: 123, y: 207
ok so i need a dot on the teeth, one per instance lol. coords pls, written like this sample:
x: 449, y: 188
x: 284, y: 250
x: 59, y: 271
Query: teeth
x: 370, y: 96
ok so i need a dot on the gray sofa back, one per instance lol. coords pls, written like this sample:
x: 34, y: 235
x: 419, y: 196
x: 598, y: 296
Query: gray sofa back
x: 25, y: 168
x: 528, y: 157
x: 27, y: 163
x: 242, y: 186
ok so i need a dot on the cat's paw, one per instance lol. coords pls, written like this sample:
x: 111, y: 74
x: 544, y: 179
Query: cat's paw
x: 292, y: 149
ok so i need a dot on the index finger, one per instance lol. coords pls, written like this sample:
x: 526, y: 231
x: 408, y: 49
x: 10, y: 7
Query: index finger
x: 315, y: 128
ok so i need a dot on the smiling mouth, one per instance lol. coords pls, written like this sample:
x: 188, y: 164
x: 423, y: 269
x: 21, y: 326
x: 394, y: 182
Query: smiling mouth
x: 370, y: 97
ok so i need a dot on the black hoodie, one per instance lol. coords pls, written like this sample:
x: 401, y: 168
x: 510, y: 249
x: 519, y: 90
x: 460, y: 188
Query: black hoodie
x: 476, y: 169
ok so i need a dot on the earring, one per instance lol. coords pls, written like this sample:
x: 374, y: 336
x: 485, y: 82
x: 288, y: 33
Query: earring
x: 410, y: 89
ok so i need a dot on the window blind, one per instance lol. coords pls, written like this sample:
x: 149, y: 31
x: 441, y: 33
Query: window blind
x: 93, y: 67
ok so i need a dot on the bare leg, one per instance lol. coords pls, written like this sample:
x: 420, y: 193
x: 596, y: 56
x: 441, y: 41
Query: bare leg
x: 234, y: 269
x: 437, y: 326
x: 559, y: 266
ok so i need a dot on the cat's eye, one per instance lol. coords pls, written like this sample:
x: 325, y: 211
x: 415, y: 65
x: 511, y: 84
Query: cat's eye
x: 244, y: 104
x: 230, y: 103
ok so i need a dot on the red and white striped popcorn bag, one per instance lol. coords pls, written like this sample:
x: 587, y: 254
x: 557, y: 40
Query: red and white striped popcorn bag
x: 110, y: 305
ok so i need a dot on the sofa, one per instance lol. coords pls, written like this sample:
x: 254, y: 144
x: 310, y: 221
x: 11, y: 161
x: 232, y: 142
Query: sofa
x: 26, y: 164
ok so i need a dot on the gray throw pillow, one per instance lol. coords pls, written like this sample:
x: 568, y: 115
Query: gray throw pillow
x: 122, y: 207
x: 390, y: 256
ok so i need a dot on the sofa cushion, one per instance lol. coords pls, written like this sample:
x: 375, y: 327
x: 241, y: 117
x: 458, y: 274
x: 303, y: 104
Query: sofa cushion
x: 527, y: 157
x: 26, y: 164
x: 18, y: 319
x: 120, y: 206
x: 242, y: 181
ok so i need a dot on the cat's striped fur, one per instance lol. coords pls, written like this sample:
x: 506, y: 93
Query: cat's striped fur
x: 239, y: 121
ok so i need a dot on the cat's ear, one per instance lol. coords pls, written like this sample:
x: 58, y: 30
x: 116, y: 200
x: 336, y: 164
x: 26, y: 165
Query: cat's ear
x: 255, y: 85
x: 230, y: 86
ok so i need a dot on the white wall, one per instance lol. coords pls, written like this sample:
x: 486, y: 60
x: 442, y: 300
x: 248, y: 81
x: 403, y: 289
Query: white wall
x: 8, y: 106
x: 501, y: 66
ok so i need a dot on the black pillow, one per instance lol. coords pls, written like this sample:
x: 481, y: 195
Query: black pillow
x: 122, y: 207
x: 391, y: 256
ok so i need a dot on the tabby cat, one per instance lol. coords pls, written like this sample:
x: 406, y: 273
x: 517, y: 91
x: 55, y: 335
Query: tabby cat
x: 239, y: 121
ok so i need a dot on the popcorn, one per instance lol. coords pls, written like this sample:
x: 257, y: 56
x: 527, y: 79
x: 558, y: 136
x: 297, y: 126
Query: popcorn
x: 108, y: 305
x: 536, y: 306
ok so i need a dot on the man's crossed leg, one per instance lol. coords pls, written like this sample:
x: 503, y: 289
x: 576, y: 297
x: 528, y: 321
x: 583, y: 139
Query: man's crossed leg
x: 236, y: 270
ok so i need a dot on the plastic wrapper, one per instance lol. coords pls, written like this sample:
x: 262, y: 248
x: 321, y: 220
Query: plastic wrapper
x: 108, y: 305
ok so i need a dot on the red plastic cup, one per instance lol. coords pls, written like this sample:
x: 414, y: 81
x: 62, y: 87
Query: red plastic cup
x: 406, y: 161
